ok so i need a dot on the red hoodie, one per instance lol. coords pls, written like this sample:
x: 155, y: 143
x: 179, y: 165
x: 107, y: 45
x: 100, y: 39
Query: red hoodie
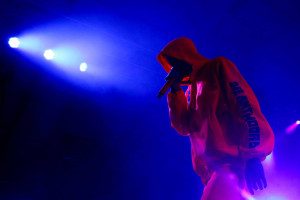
x: 222, y: 117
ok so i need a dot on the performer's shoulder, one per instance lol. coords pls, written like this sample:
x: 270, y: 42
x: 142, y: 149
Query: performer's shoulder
x: 221, y: 59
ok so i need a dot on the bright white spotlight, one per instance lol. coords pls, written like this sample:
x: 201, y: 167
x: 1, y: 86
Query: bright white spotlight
x: 298, y: 122
x: 14, y: 42
x: 49, y: 54
x: 83, y: 67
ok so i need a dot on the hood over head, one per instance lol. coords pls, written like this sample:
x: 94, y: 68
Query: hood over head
x: 183, y: 49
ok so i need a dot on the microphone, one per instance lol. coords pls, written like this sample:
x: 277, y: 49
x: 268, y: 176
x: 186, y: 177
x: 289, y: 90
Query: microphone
x: 166, y: 87
x: 180, y: 69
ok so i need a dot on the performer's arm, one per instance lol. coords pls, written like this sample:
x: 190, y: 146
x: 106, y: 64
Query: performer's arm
x: 257, y: 138
x: 178, y: 110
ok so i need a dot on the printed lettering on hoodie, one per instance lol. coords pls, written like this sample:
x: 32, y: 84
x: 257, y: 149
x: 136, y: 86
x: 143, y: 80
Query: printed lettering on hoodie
x: 247, y: 114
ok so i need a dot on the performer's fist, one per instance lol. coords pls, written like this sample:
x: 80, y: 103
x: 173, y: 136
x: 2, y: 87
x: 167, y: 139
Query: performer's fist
x: 254, y: 175
x: 175, y: 73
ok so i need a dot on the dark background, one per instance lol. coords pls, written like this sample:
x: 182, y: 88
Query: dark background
x: 103, y: 134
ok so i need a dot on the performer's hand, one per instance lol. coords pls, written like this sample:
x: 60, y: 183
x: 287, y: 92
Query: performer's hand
x: 180, y: 69
x: 175, y: 73
x: 255, y: 176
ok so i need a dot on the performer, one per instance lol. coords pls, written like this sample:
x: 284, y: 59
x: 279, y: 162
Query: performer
x: 220, y: 113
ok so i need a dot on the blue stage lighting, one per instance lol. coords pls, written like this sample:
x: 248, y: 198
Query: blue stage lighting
x: 14, y: 42
x: 83, y: 67
x: 49, y: 54
x: 276, y: 198
x: 269, y: 158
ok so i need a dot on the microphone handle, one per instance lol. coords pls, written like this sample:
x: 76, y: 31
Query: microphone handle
x: 166, y: 87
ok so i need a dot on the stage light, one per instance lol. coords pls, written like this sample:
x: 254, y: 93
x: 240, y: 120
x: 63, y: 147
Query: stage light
x: 83, y: 67
x: 292, y: 127
x: 49, y: 54
x: 14, y: 42
x: 276, y: 198
x: 269, y: 158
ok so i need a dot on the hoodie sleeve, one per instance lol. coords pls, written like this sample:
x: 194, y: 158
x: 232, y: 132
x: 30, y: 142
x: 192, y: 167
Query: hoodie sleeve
x: 257, y: 138
x: 178, y: 111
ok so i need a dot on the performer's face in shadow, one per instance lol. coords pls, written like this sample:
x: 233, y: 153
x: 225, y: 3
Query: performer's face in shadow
x: 179, y: 64
x: 183, y: 68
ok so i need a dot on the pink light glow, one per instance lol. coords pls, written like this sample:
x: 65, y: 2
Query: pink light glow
x: 292, y: 127
x: 247, y: 195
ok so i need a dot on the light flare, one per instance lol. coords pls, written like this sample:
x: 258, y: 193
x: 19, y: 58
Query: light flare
x: 14, y: 42
x: 292, y: 128
x: 49, y: 54
x: 83, y: 67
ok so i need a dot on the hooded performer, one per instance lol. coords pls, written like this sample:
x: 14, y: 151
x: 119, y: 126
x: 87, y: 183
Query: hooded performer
x: 221, y: 115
